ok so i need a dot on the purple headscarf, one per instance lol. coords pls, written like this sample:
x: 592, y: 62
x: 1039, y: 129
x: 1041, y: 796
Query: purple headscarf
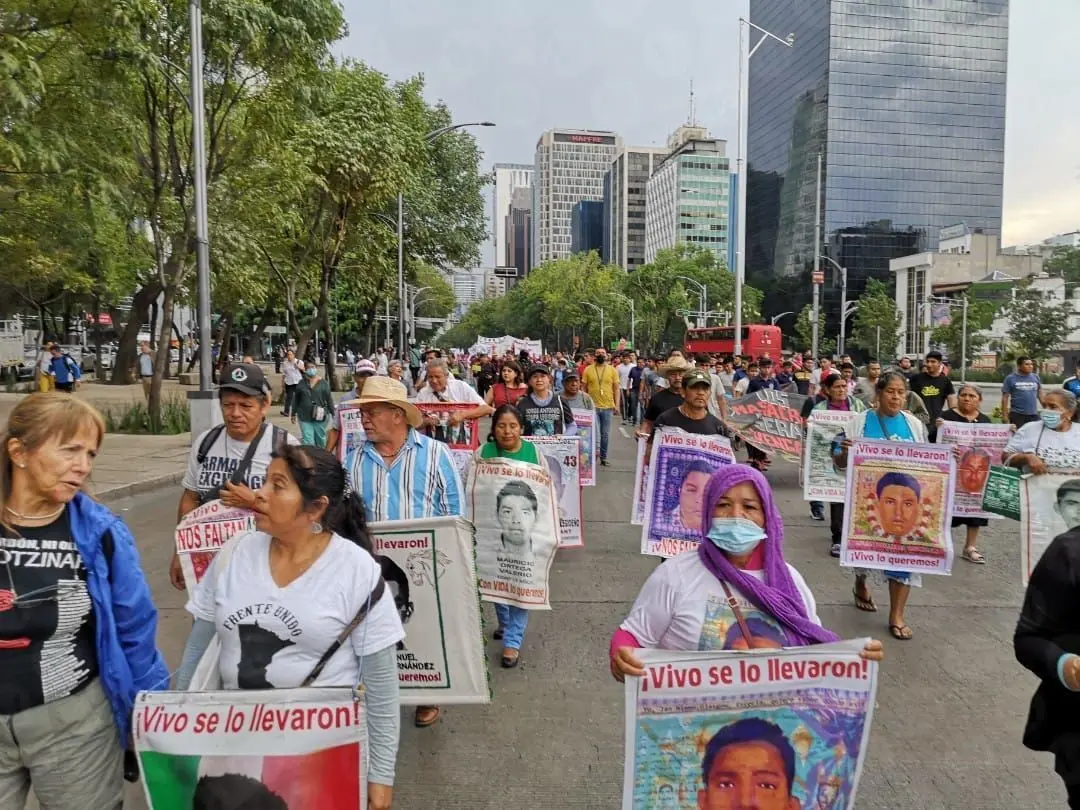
x: 777, y: 596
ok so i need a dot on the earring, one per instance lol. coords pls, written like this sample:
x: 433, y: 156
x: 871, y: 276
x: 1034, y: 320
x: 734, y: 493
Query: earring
x: 316, y: 527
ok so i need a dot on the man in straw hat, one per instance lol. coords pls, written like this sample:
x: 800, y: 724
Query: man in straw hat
x: 400, y: 473
x: 667, y: 398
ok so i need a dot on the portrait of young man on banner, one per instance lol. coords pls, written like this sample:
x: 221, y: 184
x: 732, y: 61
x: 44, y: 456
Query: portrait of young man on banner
x: 980, y: 448
x: 777, y: 731
x: 1049, y: 506
x: 562, y: 456
x: 900, y: 504
x: 515, y: 515
x: 440, y: 424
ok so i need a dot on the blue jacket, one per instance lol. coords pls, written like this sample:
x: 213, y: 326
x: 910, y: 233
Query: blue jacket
x: 125, y: 619
x: 65, y: 369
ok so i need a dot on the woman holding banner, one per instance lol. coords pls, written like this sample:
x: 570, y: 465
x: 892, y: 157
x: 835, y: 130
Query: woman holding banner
x: 324, y: 615
x: 736, y: 592
x: 837, y: 398
x: 507, y: 427
x: 1053, y: 441
x: 968, y: 403
x: 888, y: 421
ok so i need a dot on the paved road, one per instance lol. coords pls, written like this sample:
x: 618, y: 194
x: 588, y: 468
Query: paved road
x: 951, y: 703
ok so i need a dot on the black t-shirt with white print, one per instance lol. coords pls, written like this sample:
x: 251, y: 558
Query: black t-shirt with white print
x: 47, y: 647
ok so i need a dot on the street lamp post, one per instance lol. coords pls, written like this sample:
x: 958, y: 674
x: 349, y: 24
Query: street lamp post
x: 843, y: 297
x: 744, y: 81
x: 202, y: 224
x: 703, y: 298
x: 601, y: 311
x: 845, y: 313
x: 429, y: 138
x: 630, y: 303
x: 775, y: 318
x: 412, y: 310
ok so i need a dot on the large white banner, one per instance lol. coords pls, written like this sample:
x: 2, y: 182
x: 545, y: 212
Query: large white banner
x: 680, y: 467
x: 563, y: 455
x: 500, y: 346
x: 517, y: 531
x: 1049, y: 506
x: 781, y: 729
x: 203, y: 531
x: 301, y: 749
x: 822, y: 480
x: 351, y: 430
x: 432, y: 574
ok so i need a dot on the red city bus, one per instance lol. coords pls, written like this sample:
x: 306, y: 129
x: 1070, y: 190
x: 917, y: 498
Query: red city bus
x: 758, y: 340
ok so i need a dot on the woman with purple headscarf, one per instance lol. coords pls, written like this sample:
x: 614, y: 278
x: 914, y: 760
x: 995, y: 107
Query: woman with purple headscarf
x: 686, y: 603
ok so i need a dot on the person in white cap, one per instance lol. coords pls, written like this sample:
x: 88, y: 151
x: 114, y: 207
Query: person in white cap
x: 400, y: 473
x: 361, y: 371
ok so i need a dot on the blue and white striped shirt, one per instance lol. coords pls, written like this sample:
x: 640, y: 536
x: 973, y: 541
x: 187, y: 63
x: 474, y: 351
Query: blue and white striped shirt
x: 421, y: 482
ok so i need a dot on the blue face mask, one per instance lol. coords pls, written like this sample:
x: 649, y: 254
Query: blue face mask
x: 1050, y: 418
x: 735, y: 535
x: 311, y: 372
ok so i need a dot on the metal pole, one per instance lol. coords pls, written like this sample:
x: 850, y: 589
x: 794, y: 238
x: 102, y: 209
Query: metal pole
x: 704, y: 305
x: 412, y: 315
x: 602, y: 344
x: 740, y: 246
x: 877, y: 352
x: 963, y: 343
x: 401, y: 273
x: 389, y: 340
x: 817, y: 264
x: 632, y: 341
x: 843, y: 309
x: 202, y: 225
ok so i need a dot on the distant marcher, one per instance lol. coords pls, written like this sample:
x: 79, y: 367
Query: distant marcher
x: 78, y: 623
x: 1021, y: 393
x: 967, y: 410
x: 510, y: 389
x: 314, y: 407
x: 43, y: 375
x: 293, y: 372
x: 146, y: 369
x: 65, y: 371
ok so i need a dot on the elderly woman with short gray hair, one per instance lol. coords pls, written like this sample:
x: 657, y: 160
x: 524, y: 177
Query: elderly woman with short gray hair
x: 1053, y: 441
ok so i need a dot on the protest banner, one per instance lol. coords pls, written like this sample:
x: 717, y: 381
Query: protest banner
x: 585, y: 419
x: 430, y: 568
x: 203, y: 531
x: 899, y: 501
x: 822, y: 480
x: 507, y: 343
x: 304, y: 749
x: 463, y: 436
x: 771, y: 421
x: 680, y: 468
x: 803, y: 714
x: 563, y: 456
x: 1049, y: 506
x: 513, y: 509
x: 981, y: 446
x: 1001, y: 495
x: 351, y: 431
x: 641, y: 472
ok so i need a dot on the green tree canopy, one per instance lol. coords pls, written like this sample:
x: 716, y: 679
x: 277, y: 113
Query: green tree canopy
x: 1037, y: 325
x: 877, y: 321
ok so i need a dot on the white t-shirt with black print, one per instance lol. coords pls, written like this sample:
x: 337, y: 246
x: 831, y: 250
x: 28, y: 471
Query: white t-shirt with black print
x: 224, y: 456
x: 682, y: 606
x: 272, y: 637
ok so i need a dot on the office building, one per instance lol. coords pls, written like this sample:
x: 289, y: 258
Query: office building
x: 570, y: 167
x: 624, y: 219
x: 687, y: 200
x: 518, y: 229
x: 906, y: 104
x: 468, y: 286
x: 587, y: 227
x: 508, y: 178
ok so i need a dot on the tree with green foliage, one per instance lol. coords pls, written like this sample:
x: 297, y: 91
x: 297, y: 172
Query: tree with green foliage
x: 804, y: 328
x: 877, y: 320
x: 950, y: 337
x: 1037, y: 325
x: 1064, y: 262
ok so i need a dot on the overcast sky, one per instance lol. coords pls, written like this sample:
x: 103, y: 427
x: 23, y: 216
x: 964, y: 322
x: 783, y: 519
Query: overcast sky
x: 626, y: 65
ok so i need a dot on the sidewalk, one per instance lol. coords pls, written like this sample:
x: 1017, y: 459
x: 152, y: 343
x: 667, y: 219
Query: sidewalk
x: 132, y: 464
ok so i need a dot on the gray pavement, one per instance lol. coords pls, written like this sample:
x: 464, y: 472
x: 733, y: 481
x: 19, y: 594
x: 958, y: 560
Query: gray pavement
x: 951, y: 702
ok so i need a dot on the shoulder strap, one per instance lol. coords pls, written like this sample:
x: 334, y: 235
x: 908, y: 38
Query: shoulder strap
x: 280, y: 438
x: 208, y: 442
x: 734, y: 605
x: 371, y: 601
x: 245, y: 463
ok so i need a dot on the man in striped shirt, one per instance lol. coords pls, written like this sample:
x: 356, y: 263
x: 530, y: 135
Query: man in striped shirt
x: 400, y: 473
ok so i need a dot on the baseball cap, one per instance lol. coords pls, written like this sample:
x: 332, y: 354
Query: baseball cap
x: 363, y: 367
x: 696, y: 377
x: 571, y: 373
x: 246, y: 378
x: 539, y: 368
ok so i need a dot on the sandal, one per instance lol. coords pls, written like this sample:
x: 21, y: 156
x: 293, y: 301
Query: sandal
x: 864, y: 604
x: 973, y: 555
x: 427, y: 716
x: 901, y: 632
x: 512, y: 660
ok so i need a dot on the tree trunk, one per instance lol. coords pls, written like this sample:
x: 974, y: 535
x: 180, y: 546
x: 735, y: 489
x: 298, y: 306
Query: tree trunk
x: 128, y: 345
x: 161, y: 359
x: 154, y: 323
x: 260, y: 330
x: 224, y: 336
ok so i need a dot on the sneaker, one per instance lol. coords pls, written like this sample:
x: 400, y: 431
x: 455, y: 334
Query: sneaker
x: 603, y: 462
x: 835, y: 550
x: 817, y: 514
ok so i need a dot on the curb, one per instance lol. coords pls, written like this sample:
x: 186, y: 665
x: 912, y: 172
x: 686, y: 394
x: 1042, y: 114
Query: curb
x: 139, y: 487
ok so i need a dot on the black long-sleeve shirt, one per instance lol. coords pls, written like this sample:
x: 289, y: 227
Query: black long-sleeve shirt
x: 1049, y: 627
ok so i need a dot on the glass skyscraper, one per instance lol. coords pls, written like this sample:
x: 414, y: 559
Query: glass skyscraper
x: 904, y: 100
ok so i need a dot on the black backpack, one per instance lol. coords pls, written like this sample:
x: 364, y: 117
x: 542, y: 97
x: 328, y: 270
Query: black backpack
x: 280, y: 439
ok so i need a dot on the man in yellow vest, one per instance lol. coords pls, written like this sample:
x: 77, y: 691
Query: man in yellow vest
x: 602, y: 384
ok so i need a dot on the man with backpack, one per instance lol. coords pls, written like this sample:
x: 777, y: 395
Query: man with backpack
x: 64, y: 370
x: 229, y: 461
